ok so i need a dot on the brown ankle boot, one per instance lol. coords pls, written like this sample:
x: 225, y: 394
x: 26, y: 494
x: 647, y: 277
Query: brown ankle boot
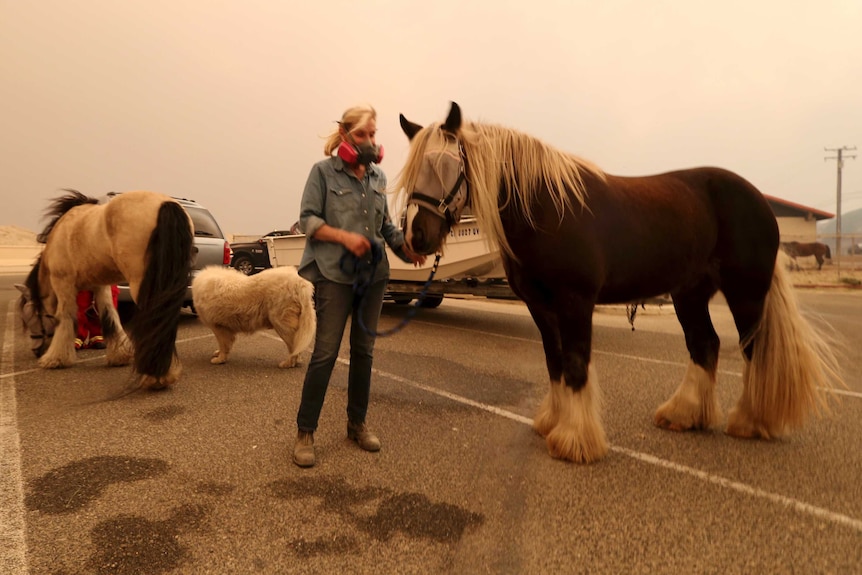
x: 359, y: 433
x: 303, y: 449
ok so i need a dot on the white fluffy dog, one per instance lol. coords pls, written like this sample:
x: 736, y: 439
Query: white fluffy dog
x: 229, y: 302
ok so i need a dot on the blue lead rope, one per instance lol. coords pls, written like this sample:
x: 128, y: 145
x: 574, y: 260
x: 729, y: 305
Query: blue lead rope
x: 363, y: 271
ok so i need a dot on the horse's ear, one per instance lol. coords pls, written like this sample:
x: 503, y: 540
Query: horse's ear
x: 409, y: 127
x: 453, y: 120
x: 23, y: 289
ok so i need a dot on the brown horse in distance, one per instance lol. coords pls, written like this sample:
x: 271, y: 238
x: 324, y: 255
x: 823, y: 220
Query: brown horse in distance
x: 799, y: 249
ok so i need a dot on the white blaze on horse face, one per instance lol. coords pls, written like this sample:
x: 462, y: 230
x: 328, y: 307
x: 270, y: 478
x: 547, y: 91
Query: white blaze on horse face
x: 412, y: 210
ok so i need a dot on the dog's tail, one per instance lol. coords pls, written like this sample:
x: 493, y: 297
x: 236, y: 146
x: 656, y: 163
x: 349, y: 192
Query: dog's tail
x: 307, y: 317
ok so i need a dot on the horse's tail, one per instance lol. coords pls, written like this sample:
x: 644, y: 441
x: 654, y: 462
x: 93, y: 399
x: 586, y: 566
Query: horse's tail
x: 828, y: 251
x: 793, y: 367
x: 162, y: 292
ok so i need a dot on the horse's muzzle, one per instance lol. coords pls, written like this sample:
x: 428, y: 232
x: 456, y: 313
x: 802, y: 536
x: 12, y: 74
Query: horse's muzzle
x: 39, y: 345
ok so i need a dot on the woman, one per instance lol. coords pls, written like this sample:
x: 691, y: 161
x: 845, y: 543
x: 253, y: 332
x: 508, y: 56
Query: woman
x: 344, y: 210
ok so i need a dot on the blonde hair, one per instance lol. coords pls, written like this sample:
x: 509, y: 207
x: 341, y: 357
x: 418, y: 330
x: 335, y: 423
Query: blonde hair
x: 353, y: 118
x: 501, y: 160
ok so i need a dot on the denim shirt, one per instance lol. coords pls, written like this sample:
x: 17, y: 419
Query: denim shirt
x: 333, y: 195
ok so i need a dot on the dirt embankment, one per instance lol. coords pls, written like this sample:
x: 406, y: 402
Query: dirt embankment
x: 16, y: 236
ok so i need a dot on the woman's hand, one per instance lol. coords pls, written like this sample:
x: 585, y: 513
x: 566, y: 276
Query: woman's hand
x: 413, y: 256
x: 357, y: 244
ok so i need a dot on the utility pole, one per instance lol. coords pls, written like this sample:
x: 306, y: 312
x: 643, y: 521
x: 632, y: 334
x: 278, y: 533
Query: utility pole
x: 840, y: 157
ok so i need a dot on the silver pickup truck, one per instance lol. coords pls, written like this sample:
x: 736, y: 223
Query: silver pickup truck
x: 211, y: 249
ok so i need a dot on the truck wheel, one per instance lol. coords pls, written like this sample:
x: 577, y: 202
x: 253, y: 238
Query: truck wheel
x: 244, y: 264
x: 431, y: 301
x: 402, y: 299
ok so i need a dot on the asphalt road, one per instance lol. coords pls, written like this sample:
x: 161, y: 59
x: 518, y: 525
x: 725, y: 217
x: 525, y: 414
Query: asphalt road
x: 198, y: 479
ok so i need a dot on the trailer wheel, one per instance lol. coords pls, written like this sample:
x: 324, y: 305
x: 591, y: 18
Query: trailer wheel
x: 431, y: 301
x: 402, y: 299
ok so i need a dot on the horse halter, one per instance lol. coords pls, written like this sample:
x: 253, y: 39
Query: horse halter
x: 448, y: 206
x: 40, y: 325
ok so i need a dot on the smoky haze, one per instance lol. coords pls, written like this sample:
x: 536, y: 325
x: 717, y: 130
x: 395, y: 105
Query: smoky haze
x: 228, y: 102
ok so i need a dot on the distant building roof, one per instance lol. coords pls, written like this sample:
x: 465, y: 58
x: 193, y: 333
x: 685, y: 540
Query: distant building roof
x: 786, y: 209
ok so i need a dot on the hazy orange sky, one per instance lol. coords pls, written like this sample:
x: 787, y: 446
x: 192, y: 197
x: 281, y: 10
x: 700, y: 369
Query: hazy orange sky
x: 227, y: 102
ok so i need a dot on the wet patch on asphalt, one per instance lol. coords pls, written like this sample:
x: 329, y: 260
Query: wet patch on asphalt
x: 411, y: 514
x: 69, y: 488
x: 129, y: 545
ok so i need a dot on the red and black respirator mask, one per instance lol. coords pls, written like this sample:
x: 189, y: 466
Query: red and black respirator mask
x: 364, y: 153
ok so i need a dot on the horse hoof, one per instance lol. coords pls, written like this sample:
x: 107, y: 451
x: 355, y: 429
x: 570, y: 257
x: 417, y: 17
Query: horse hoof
x: 742, y: 427
x: 53, y: 363
x: 543, y: 427
x: 217, y: 360
x: 742, y: 432
x: 288, y: 363
x: 665, y: 423
x: 119, y: 360
x: 157, y: 383
x: 587, y: 447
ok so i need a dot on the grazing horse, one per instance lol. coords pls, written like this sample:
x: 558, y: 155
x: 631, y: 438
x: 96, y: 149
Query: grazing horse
x: 572, y: 236
x: 142, y: 238
x: 816, y: 249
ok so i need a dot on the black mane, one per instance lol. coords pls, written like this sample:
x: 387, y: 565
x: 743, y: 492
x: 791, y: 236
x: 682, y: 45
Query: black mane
x: 60, y: 206
x: 32, y: 283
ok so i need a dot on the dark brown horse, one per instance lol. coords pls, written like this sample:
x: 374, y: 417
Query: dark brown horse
x: 799, y: 249
x: 572, y: 236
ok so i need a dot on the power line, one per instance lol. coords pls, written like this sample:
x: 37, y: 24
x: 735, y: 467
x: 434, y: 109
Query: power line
x: 840, y: 163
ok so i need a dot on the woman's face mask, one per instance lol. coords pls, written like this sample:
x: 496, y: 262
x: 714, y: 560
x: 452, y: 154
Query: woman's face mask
x: 368, y: 152
x: 360, y: 147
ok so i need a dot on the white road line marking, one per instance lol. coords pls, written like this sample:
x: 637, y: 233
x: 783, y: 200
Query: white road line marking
x: 92, y: 359
x: 10, y: 456
x: 788, y: 502
x: 13, y: 551
x: 847, y: 392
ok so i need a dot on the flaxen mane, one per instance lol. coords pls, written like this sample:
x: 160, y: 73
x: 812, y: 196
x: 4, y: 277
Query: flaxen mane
x: 523, y: 164
x: 690, y: 233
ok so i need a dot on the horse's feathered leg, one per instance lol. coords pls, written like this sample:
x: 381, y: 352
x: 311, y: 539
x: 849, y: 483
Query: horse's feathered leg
x: 693, y: 405
x: 61, y: 352
x: 578, y: 435
x: 575, y: 402
x: 790, y: 366
x: 549, y: 411
x: 119, y: 350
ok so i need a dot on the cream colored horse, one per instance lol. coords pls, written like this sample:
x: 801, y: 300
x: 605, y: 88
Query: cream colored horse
x: 143, y: 238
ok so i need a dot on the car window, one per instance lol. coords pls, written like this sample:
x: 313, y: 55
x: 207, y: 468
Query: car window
x: 205, y: 225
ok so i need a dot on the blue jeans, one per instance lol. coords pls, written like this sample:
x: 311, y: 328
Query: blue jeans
x: 334, y: 303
